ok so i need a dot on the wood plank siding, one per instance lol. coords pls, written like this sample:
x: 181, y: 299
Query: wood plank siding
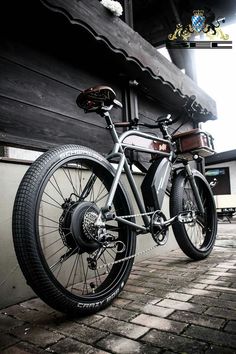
x: 57, y: 48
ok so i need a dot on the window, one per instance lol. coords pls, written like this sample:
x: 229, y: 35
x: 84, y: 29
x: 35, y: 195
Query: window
x: 222, y: 179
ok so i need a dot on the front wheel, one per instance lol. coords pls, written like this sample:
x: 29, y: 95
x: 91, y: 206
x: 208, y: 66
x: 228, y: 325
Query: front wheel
x: 72, y: 263
x: 196, y: 239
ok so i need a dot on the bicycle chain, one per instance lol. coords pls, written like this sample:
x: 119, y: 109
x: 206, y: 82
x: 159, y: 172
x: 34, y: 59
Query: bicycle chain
x: 134, y: 215
x: 134, y: 255
x: 127, y: 258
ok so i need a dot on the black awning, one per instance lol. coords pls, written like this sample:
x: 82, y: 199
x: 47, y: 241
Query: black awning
x: 156, y: 76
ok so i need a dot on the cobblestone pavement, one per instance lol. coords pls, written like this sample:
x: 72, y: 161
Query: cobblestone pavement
x: 169, y: 305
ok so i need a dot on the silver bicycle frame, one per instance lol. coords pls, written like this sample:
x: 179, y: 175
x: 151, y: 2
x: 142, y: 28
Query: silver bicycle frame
x: 163, y: 172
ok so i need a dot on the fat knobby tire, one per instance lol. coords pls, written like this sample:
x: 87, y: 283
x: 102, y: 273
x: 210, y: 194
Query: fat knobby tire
x: 27, y: 246
x: 179, y: 229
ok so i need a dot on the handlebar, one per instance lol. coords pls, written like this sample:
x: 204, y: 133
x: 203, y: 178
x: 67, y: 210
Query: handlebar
x: 190, y: 108
x: 161, y: 121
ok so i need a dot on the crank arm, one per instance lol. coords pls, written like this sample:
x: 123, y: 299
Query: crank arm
x: 184, y: 217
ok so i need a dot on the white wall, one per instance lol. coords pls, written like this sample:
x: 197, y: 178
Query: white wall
x: 13, y: 287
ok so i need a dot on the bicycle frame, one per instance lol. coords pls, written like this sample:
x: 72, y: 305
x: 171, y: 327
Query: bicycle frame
x: 118, y: 152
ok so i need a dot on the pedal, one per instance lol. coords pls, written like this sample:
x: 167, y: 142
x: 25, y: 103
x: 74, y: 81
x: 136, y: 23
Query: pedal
x: 187, y: 217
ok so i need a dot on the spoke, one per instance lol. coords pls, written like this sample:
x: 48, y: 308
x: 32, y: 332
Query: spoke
x: 71, y: 272
x: 48, y: 226
x: 113, y: 228
x: 103, y: 197
x: 76, y: 267
x: 45, y: 217
x: 111, y: 254
x: 96, y: 278
x: 101, y: 190
x: 48, y: 233
x: 55, y: 265
x: 49, y: 196
x: 85, y: 276
x: 56, y: 252
x: 59, y: 239
x: 79, y: 174
x: 55, y: 206
x: 98, y: 275
x: 105, y: 262
x: 91, y: 197
x: 69, y: 179
x: 59, y: 189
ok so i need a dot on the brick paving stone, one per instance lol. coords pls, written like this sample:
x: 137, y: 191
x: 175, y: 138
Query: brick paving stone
x: 81, y: 332
x: 198, y: 285
x: 121, y: 302
x: 155, y: 301
x: 72, y: 346
x: 48, y: 321
x: 120, y: 345
x: 212, y: 336
x: 150, y: 309
x: 160, y: 290
x: 135, y: 306
x: 219, y: 273
x: 137, y: 297
x: 210, y: 277
x: 6, y: 340
x: 214, y: 282
x: 231, y: 327
x: 160, y: 266
x: 37, y: 304
x: 204, y: 292
x: 159, y: 323
x: 217, y: 303
x: 174, y: 342
x: 179, y: 296
x: 119, y: 314
x: 227, y: 297
x: 171, y: 286
x: 226, y: 265
x: 180, y: 305
x: 135, y: 282
x: 219, y: 350
x: 225, y: 279
x: 23, y: 348
x: 222, y: 313
x: 88, y: 320
x: 198, y: 319
x: 221, y: 288
x: 23, y: 313
x: 155, y: 283
x: 7, y: 322
x: 122, y: 328
x: 36, y: 335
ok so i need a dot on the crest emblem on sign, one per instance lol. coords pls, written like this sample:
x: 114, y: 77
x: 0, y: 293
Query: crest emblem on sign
x: 198, y: 20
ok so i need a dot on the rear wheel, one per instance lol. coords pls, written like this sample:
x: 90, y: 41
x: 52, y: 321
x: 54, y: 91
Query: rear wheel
x: 196, y: 239
x: 65, y: 256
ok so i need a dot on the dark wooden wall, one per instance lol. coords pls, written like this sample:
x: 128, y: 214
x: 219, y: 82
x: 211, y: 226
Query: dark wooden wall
x: 43, y: 66
x: 45, y: 62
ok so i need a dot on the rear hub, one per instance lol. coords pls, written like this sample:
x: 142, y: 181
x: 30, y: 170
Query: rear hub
x: 78, y: 226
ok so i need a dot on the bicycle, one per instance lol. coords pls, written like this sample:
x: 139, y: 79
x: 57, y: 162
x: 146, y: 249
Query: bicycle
x: 74, y: 228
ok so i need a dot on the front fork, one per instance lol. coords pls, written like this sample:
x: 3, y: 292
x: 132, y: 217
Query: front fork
x: 194, y: 188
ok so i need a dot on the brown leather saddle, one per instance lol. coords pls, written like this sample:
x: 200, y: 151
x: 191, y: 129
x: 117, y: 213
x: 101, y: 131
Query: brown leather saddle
x: 97, y: 99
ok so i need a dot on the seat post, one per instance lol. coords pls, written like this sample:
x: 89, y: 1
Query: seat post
x: 107, y: 117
